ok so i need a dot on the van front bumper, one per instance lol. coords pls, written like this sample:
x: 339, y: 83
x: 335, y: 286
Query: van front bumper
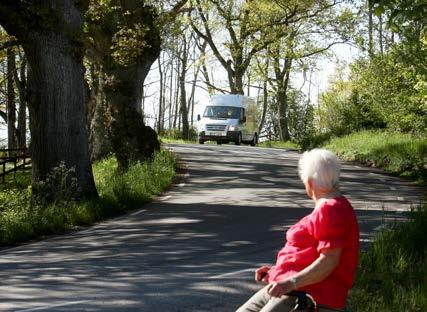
x: 219, y: 136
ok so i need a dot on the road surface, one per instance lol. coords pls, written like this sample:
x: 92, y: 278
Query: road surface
x: 195, y: 247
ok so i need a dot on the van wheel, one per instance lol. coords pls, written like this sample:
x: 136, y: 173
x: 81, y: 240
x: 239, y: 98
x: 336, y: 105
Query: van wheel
x: 254, y: 140
x: 239, y: 139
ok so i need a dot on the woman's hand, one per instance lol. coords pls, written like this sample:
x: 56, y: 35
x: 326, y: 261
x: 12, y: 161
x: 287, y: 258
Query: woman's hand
x: 261, y: 273
x: 278, y: 289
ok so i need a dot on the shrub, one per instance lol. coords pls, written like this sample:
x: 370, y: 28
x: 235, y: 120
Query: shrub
x: 119, y: 192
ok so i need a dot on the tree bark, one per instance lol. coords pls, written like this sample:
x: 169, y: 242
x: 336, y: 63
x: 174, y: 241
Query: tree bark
x: 282, y: 81
x: 183, y: 95
x: 370, y: 29
x: 264, y: 106
x: 99, y: 139
x: 51, y: 35
x: 131, y: 139
x: 11, y: 101
x: 161, y: 98
x: 21, y: 83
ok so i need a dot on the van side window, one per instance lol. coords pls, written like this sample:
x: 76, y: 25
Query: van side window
x: 242, y: 113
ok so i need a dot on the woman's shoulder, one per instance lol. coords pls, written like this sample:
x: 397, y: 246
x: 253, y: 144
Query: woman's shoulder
x: 335, y: 207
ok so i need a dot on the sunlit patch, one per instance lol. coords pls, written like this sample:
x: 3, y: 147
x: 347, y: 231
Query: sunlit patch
x: 172, y: 221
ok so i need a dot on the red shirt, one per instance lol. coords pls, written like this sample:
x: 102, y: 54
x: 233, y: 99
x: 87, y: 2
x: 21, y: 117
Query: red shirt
x: 332, y: 224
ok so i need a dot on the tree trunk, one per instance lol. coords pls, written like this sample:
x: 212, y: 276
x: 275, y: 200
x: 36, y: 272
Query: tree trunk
x: 193, y: 91
x: 264, y: 106
x: 57, y: 112
x: 380, y: 34
x: 99, y: 140
x: 161, y: 98
x: 54, y: 50
x: 370, y: 30
x: 22, y: 112
x: 132, y: 140
x: 171, y: 95
x: 282, y: 79
x: 176, y: 101
x: 125, y: 72
x: 11, y: 101
x: 183, y: 95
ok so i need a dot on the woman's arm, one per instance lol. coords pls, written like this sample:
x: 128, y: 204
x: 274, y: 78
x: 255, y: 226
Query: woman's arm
x: 314, y: 273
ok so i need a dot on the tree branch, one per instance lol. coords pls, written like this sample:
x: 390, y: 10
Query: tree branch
x: 208, y: 36
x: 176, y: 10
x: 11, y: 17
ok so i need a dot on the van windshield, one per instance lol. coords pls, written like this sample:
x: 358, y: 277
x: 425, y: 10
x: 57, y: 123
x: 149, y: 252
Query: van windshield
x: 222, y: 112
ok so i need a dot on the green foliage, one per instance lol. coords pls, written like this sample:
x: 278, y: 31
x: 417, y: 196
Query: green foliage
x: 176, y: 135
x: 301, y: 125
x: 383, y: 92
x: 392, y: 274
x: 119, y: 192
x: 397, y: 153
x: 59, y: 185
x: 124, y: 31
x: 138, y: 184
x: 278, y: 144
x: 128, y: 43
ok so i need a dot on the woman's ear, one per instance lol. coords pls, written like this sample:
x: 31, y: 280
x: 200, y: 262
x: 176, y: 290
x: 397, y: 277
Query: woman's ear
x: 309, y: 188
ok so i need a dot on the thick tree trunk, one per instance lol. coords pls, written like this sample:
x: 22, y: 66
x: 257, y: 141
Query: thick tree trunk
x: 132, y: 140
x: 125, y: 72
x: 238, y: 85
x: 57, y: 112
x: 54, y: 50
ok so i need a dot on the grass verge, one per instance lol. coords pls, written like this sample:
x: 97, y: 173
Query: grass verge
x: 393, y: 272
x: 279, y: 144
x: 179, y: 141
x: 118, y: 193
x: 396, y: 153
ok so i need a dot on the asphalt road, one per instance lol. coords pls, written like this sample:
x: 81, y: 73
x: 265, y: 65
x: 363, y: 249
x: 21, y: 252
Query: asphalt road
x: 195, y: 247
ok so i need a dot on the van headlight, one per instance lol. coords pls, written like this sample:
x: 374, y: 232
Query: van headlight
x: 232, y: 128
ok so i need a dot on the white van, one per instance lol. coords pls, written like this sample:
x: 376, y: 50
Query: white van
x: 229, y: 118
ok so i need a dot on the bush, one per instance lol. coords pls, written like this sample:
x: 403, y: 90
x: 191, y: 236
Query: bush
x: 119, y: 192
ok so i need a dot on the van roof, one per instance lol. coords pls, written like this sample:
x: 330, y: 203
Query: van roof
x: 236, y: 100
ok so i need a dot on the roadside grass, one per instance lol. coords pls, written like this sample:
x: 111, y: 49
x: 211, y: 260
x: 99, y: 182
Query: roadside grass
x: 278, y: 144
x: 396, y: 153
x: 163, y: 139
x: 270, y: 144
x: 392, y: 274
x: 118, y: 193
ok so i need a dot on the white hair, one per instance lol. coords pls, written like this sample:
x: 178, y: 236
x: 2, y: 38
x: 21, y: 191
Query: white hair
x: 322, y: 167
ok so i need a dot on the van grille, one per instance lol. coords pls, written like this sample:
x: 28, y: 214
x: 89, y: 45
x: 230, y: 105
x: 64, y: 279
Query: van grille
x: 216, y: 127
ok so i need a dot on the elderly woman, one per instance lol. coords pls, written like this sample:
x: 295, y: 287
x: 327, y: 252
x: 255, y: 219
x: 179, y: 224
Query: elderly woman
x: 321, y: 251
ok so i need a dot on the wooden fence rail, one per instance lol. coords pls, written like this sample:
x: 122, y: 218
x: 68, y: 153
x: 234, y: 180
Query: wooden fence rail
x: 13, y: 156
